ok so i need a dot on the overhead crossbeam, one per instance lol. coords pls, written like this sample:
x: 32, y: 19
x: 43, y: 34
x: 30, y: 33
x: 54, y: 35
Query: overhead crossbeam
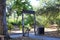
x: 28, y: 11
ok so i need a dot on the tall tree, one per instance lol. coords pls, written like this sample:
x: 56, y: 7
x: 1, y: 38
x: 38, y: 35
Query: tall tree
x: 3, y: 26
x: 2, y: 11
x: 18, y: 6
x: 50, y: 9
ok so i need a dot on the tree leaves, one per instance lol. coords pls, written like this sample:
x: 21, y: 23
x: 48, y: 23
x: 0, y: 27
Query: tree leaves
x: 51, y: 10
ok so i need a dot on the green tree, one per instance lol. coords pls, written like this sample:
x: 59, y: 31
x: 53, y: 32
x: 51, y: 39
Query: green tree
x: 50, y: 9
x: 17, y: 6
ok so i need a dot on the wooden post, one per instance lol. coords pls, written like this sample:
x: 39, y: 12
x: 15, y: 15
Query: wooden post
x: 23, y: 24
x: 34, y: 24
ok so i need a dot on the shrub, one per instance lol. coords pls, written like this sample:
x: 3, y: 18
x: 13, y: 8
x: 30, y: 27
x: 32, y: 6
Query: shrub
x: 10, y: 26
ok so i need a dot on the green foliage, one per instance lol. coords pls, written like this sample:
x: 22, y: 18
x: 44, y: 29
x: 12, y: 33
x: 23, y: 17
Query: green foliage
x: 46, y: 14
x: 15, y: 7
x: 10, y: 26
x: 58, y: 21
x: 19, y: 5
x: 29, y: 20
x: 50, y: 11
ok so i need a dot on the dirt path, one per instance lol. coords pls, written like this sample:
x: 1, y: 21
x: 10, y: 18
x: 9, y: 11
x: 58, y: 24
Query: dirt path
x: 48, y: 32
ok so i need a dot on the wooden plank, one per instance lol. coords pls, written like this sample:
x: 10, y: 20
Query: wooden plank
x: 28, y: 11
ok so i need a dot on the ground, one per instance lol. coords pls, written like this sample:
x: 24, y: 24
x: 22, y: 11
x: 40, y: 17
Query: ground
x: 50, y: 33
x: 24, y: 38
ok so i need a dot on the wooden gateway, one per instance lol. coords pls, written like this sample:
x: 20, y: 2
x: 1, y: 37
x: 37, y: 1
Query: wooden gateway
x: 28, y: 12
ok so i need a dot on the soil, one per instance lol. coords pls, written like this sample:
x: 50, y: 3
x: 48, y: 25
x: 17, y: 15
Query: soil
x: 53, y: 34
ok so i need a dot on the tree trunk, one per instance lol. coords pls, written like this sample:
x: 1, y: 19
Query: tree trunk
x: 3, y: 26
x: 2, y: 8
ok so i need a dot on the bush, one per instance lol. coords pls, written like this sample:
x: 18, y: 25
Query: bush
x: 10, y: 26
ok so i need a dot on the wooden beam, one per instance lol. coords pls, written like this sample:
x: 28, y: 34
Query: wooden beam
x: 28, y: 11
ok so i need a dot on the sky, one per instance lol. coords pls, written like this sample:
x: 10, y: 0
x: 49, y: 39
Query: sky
x: 34, y: 3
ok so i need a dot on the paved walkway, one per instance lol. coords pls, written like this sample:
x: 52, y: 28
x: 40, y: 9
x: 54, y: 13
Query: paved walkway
x: 36, y: 36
